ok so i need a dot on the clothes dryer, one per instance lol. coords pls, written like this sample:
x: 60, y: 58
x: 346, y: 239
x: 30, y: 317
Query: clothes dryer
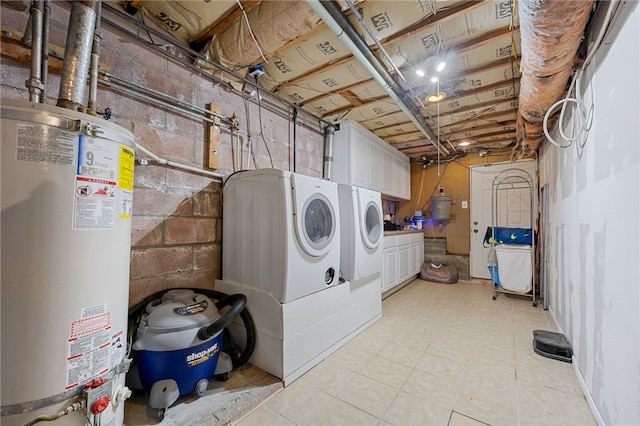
x: 281, y: 233
x: 361, y: 230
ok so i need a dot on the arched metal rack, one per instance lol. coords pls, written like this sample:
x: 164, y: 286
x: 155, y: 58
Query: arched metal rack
x: 510, y: 180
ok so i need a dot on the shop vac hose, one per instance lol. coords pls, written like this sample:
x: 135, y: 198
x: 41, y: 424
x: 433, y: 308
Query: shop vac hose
x: 237, y: 302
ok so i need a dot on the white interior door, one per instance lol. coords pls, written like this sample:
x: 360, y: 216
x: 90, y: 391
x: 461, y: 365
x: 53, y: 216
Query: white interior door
x: 480, y: 209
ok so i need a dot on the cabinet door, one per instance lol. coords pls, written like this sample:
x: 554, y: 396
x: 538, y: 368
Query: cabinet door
x: 417, y: 257
x: 359, y: 157
x: 404, y: 262
x: 405, y: 177
x: 390, y: 268
x: 388, y: 172
x: 374, y: 166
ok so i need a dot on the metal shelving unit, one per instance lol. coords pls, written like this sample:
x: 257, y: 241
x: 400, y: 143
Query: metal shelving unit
x: 510, y: 180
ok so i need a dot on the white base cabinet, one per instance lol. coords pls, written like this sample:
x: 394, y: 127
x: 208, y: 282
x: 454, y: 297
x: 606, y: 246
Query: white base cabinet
x: 403, y: 258
x: 362, y: 159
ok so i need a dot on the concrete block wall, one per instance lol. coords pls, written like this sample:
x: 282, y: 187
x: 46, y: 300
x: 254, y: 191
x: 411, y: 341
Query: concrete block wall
x: 177, y: 215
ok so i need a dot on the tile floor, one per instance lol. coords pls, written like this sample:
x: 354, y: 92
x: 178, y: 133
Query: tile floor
x: 441, y: 355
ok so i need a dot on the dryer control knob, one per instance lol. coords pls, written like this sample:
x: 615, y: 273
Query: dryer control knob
x: 329, y: 276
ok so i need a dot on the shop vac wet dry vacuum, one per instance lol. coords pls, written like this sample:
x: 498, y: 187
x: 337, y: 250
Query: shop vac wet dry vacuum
x: 179, y: 344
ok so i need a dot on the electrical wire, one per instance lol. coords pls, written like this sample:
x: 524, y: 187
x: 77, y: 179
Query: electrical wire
x: 253, y: 37
x: 584, y: 117
x: 260, y: 120
x: 421, y: 185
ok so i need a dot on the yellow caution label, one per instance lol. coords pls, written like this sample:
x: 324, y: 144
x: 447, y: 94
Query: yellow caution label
x: 127, y: 161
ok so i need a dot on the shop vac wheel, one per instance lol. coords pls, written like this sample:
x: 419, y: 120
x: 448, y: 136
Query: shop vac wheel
x: 222, y: 377
x: 161, y: 413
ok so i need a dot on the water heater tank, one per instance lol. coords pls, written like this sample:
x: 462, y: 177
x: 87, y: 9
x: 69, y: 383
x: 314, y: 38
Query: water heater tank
x: 67, y: 186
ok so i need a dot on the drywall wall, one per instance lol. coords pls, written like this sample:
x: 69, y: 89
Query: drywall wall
x: 177, y: 215
x: 594, y: 230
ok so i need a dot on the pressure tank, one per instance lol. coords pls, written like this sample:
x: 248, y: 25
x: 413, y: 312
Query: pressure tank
x: 67, y: 187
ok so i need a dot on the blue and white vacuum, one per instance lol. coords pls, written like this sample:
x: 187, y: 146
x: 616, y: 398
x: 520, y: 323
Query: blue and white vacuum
x: 178, y: 344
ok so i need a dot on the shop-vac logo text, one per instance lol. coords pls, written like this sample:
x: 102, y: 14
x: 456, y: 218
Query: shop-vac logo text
x: 196, y: 358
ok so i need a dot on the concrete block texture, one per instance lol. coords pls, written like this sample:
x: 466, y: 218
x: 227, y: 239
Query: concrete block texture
x: 177, y: 214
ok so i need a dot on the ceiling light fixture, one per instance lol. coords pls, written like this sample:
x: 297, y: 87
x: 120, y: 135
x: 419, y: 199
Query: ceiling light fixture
x: 420, y: 73
x: 441, y: 66
x: 465, y: 143
x: 436, y: 97
x: 434, y: 79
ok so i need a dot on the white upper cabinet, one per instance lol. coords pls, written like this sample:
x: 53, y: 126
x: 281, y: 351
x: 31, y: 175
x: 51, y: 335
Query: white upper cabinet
x: 363, y: 159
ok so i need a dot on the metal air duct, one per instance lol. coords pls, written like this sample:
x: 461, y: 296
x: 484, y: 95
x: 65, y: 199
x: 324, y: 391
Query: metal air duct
x: 549, y: 47
x: 77, y: 54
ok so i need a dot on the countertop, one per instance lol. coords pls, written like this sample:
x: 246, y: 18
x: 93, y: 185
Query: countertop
x: 404, y: 231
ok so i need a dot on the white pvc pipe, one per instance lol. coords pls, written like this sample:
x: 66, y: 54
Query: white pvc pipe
x: 166, y: 162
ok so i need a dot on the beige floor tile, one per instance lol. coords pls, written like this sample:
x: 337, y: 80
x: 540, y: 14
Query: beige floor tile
x: 368, y: 395
x: 441, y: 366
x: 386, y: 371
x: 352, y: 360
x: 408, y: 410
x: 329, y: 376
x: 340, y: 413
x: 363, y: 344
x: 440, y: 389
x: 458, y: 419
x: 300, y: 402
x: 400, y: 354
x: 263, y: 415
x: 441, y: 354
x: 541, y: 405
x: 488, y: 407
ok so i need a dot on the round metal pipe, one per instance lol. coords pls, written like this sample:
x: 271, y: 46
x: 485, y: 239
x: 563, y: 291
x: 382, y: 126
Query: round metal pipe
x: 34, y: 84
x: 268, y: 101
x: 44, y: 63
x: 77, y: 54
x: 329, y: 132
x: 331, y: 14
x: 95, y: 56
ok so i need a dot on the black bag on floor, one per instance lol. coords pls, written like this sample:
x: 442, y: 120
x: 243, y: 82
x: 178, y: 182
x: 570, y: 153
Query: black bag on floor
x: 438, y: 273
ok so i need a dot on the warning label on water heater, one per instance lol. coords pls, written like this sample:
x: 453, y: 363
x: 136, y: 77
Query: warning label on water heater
x: 89, y: 346
x: 96, y: 184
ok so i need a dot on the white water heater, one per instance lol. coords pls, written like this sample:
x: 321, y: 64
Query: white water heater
x: 66, y: 191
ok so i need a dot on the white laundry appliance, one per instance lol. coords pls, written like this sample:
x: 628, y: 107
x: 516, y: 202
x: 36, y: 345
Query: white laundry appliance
x: 361, y: 231
x: 281, y: 249
x: 281, y: 233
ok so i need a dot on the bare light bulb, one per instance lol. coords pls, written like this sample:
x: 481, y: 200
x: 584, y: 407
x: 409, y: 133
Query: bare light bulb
x: 420, y: 73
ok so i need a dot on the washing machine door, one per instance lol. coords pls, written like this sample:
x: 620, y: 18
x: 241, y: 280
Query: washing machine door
x: 316, y: 220
x: 316, y: 225
x: 370, y: 221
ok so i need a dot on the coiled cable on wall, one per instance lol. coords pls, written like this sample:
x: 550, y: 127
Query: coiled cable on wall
x: 585, y: 115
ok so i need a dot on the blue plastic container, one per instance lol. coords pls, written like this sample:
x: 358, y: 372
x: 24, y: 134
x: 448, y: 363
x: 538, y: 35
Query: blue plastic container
x: 495, y: 277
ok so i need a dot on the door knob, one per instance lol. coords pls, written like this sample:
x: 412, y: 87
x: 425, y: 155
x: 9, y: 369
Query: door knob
x: 475, y: 222
x: 475, y: 231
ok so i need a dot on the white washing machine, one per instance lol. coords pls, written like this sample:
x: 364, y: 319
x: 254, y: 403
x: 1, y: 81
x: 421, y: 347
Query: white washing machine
x: 361, y: 229
x: 281, y: 233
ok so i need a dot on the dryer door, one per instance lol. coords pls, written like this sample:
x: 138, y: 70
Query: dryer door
x: 370, y: 222
x: 316, y: 225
